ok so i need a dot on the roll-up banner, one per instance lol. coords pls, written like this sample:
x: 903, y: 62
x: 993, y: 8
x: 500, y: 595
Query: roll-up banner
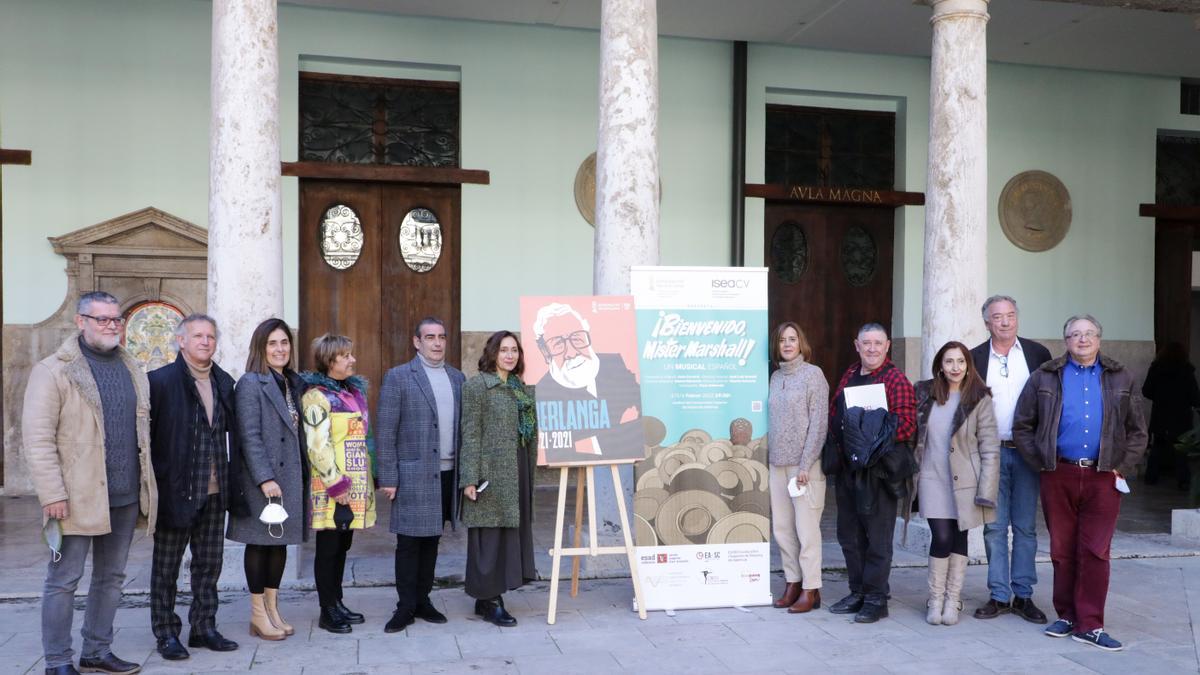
x: 701, y: 508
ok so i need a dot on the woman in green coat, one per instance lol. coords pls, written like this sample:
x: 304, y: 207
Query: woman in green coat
x: 499, y: 446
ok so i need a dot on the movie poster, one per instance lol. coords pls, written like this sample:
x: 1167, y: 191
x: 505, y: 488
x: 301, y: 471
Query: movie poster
x: 702, y: 507
x: 581, y: 357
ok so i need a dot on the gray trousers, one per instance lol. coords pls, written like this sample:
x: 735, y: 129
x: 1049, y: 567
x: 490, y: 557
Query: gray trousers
x: 109, y: 554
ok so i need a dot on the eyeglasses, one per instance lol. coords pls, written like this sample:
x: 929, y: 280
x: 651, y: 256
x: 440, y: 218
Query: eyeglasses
x: 1089, y: 334
x: 580, y: 339
x: 1003, y: 366
x: 106, y: 321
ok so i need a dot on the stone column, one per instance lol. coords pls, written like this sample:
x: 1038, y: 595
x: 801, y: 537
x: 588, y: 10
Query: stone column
x: 245, y: 234
x: 955, y: 282
x: 627, y: 181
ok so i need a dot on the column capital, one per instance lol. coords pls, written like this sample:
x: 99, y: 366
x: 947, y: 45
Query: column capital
x: 946, y: 9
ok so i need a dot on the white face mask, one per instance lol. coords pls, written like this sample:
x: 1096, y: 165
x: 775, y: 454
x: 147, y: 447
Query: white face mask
x: 273, y: 514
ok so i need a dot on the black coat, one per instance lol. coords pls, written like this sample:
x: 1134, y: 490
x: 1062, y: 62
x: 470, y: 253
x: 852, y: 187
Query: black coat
x: 1035, y: 356
x: 173, y: 396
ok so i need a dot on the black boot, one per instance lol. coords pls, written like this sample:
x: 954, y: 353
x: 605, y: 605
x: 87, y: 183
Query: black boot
x: 493, y: 611
x: 351, y: 616
x: 848, y: 605
x: 333, y: 621
x: 873, y: 609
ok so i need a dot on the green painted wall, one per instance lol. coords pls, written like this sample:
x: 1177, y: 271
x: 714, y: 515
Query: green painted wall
x: 114, y: 103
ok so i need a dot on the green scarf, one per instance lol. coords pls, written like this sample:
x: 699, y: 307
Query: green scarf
x: 526, y: 418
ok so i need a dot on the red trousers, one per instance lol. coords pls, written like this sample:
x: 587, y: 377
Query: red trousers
x: 1081, y: 507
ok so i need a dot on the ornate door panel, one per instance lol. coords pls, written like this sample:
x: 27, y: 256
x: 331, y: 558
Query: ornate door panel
x: 830, y: 272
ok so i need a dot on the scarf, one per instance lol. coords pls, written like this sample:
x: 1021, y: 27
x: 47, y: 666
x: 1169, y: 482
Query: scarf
x: 526, y: 418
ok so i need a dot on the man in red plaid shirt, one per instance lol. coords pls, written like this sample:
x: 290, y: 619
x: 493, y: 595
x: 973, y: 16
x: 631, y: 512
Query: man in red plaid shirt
x: 866, y: 538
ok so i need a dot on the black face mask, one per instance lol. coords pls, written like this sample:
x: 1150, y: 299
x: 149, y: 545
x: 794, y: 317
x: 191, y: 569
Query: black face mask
x: 343, y: 515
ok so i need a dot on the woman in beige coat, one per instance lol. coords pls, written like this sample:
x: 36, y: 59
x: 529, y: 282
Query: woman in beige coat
x: 958, y: 450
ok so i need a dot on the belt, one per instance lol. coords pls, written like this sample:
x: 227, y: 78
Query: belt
x: 1083, y: 463
x: 1008, y: 444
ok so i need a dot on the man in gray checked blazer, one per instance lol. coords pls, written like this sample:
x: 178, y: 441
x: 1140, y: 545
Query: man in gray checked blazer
x: 417, y: 438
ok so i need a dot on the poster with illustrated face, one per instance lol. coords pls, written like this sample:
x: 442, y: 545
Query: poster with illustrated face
x: 581, y: 357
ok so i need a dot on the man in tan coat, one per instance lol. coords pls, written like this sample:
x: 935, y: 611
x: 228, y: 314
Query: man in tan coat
x: 86, y: 430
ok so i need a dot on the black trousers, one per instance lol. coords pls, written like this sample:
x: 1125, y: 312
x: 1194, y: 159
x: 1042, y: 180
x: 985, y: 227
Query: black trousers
x: 207, y: 539
x: 866, y: 540
x: 329, y: 564
x: 449, y: 493
x: 416, y: 560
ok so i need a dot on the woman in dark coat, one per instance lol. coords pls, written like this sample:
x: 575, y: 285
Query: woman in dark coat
x: 272, y: 467
x: 499, y: 447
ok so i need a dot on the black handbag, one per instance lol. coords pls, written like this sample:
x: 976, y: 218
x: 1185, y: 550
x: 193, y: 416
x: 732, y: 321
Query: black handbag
x: 831, y: 457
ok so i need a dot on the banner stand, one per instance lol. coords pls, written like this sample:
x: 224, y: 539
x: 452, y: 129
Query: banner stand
x: 585, y: 482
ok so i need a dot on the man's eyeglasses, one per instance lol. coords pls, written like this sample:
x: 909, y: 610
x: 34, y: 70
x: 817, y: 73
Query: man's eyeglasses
x: 1003, y: 366
x: 580, y: 339
x: 106, y: 321
x: 1089, y: 334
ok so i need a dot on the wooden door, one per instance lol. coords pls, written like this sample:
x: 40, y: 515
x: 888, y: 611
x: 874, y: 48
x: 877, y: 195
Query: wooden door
x: 830, y: 272
x: 1173, y: 243
x: 377, y: 299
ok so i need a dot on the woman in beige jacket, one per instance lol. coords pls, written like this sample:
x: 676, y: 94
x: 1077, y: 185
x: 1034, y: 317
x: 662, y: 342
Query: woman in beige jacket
x: 958, y: 450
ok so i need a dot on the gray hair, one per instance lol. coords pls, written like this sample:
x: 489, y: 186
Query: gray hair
x: 425, y: 322
x: 872, y: 326
x: 181, y: 327
x: 1083, y: 317
x: 88, y: 299
x: 997, y: 298
x: 547, y: 312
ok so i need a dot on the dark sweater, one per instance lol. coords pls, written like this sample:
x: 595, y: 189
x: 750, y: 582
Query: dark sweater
x: 118, y: 399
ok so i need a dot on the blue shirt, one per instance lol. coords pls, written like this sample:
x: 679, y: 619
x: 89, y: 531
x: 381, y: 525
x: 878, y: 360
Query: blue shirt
x: 1082, y: 411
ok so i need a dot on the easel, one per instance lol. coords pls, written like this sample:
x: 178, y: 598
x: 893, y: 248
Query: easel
x: 585, y: 481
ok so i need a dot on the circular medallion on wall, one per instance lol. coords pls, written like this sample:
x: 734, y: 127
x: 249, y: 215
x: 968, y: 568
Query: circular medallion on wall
x: 1035, y: 210
x: 585, y: 189
x: 150, y: 333
x: 789, y: 252
x: 859, y: 256
x: 420, y: 240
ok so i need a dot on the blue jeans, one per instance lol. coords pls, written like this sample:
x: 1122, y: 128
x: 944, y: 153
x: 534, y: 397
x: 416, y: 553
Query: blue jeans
x: 1016, y: 506
x: 109, y: 554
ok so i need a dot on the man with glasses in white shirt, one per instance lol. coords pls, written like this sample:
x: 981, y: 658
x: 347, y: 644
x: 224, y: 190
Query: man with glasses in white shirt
x: 1005, y: 362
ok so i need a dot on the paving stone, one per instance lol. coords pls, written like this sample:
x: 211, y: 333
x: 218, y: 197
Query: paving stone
x: 502, y: 645
x: 700, y: 635
x: 673, y: 659
x: 785, y: 655
x: 502, y: 665
x: 401, y: 648
x: 579, y: 662
x: 580, y: 641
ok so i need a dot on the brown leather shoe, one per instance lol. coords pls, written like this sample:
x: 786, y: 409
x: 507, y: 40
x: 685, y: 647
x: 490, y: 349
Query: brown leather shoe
x: 992, y: 609
x: 791, y: 591
x: 1024, y: 608
x: 810, y: 599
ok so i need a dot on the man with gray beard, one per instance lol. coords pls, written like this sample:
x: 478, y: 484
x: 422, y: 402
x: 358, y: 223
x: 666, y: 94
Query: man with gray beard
x: 578, y: 373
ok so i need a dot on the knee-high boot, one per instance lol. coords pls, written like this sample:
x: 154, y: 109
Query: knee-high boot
x: 954, y: 585
x: 937, y: 589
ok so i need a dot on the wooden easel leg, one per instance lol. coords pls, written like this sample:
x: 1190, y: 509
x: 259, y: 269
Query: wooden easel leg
x: 581, y: 489
x: 629, y: 549
x: 556, y: 554
x: 591, y: 511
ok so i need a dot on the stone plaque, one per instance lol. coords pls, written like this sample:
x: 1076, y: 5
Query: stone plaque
x: 1035, y: 210
x: 585, y: 189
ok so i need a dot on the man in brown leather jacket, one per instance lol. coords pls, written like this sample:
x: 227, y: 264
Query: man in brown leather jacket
x: 1080, y: 421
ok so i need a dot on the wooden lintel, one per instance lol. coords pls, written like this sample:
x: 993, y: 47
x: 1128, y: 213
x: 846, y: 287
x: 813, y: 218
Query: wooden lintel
x: 16, y: 157
x: 386, y: 173
x: 842, y: 196
x: 1164, y: 212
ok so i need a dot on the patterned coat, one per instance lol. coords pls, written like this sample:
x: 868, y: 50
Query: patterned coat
x: 336, y: 423
x: 63, y: 430
x: 406, y: 428
x: 272, y: 448
x: 489, y: 444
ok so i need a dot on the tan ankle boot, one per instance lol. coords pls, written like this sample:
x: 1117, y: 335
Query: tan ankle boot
x: 937, y: 589
x: 954, y: 584
x: 260, y: 624
x: 271, y: 603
